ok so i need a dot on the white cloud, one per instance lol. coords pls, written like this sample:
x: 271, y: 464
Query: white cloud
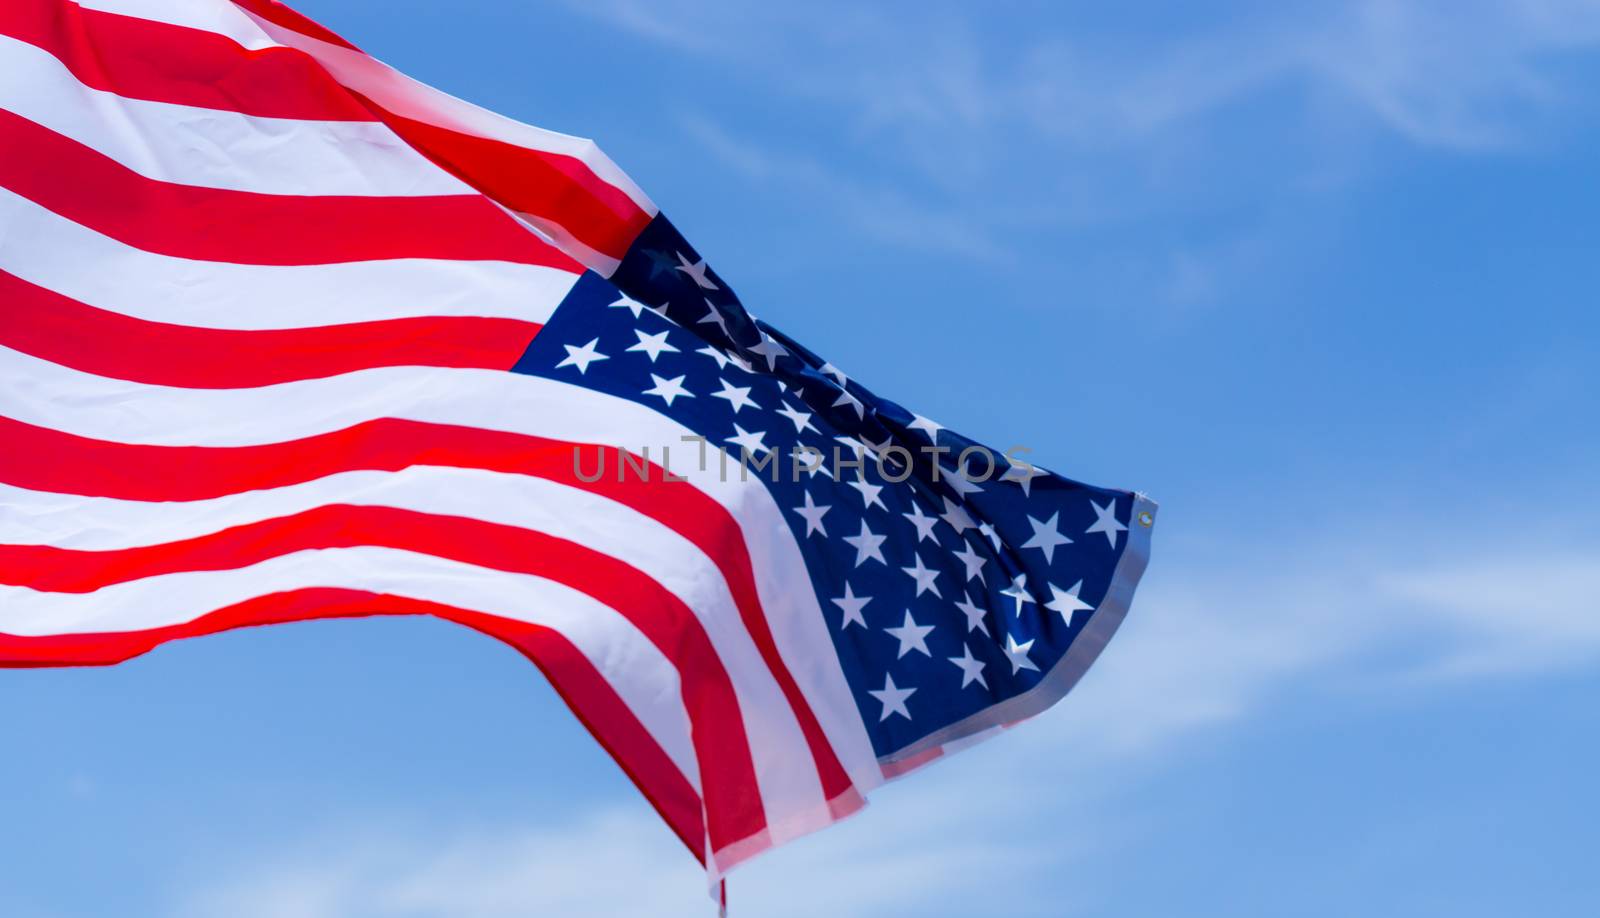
x: 877, y: 212
x: 617, y: 863
x: 614, y: 863
x: 1510, y: 615
x: 957, y: 131
x: 1200, y: 651
x: 1454, y: 74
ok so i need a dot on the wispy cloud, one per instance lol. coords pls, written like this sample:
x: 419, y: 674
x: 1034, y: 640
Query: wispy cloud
x: 613, y: 863
x: 878, y: 212
x: 1220, y: 650
x: 1453, y: 74
x: 1026, y: 139
x: 617, y: 863
x: 1228, y: 642
x: 1509, y: 614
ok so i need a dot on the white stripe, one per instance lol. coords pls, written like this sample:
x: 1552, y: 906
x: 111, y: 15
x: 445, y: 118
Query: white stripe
x: 678, y: 565
x: 378, y: 81
x: 108, y: 409
x: 645, y: 679
x: 216, y: 149
x: 42, y: 393
x: 786, y: 593
x: 405, y: 96
x: 556, y: 235
x: 217, y: 16
x: 53, y: 252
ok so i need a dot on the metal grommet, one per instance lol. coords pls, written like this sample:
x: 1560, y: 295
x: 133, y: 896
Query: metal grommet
x: 1146, y: 519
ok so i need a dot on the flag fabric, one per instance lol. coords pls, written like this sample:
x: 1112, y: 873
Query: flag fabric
x: 287, y: 335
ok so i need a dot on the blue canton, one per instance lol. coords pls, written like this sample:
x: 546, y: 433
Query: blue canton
x: 950, y: 598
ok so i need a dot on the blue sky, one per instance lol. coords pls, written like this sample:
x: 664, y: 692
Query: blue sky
x: 1321, y: 278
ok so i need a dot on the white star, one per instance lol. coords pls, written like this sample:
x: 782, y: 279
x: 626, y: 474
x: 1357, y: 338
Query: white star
x: 1018, y: 591
x: 750, y: 442
x: 923, y: 522
x: 652, y: 345
x: 631, y: 304
x: 713, y: 314
x: 737, y: 396
x: 581, y: 357
x: 668, y: 389
x: 1018, y: 655
x: 927, y: 426
x: 812, y: 514
x: 1066, y: 601
x: 974, y: 613
x: 1046, y: 536
x: 869, y: 493
x: 974, y: 562
x: 988, y: 532
x: 1106, y: 521
x: 1023, y: 474
x: 854, y: 443
x: 845, y: 398
x: 812, y: 463
x: 801, y: 419
x: 771, y: 350
x: 696, y: 271
x: 893, y: 698
x: 878, y: 447
x: 923, y: 576
x: 959, y: 482
x: 851, y: 604
x: 956, y: 516
x: 717, y: 354
x: 837, y: 374
x: 881, y: 450
x: 867, y: 545
x: 911, y: 636
x: 971, y: 669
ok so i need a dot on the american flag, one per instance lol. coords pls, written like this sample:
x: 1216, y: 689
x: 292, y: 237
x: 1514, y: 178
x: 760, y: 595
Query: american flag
x: 288, y: 335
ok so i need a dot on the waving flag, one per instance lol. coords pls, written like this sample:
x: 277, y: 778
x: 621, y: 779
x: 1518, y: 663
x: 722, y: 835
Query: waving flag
x: 287, y: 335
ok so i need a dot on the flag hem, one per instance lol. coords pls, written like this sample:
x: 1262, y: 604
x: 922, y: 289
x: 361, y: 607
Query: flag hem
x: 830, y: 812
x: 1063, y: 676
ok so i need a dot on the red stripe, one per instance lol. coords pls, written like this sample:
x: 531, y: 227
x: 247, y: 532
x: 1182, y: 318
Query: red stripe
x: 53, y: 327
x: 281, y: 15
x: 48, y: 460
x: 140, y: 59
x: 603, y: 217
x: 243, y: 227
x: 709, y: 525
x: 896, y: 769
x: 610, y: 722
x: 583, y: 688
x: 733, y: 798
x: 554, y: 186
